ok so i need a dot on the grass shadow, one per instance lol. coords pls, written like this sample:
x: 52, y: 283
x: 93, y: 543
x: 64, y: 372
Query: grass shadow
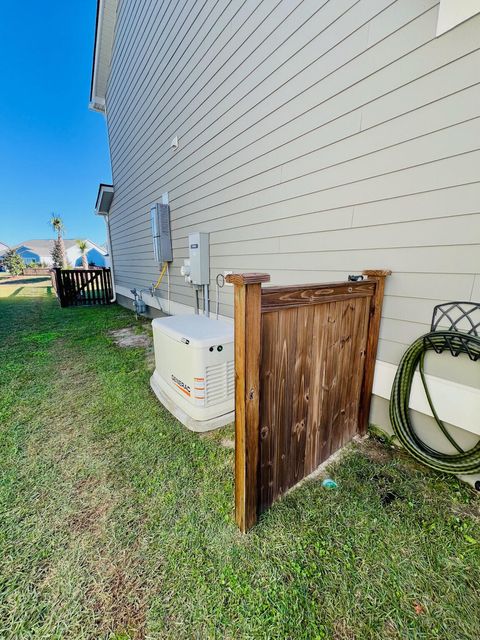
x: 24, y: 281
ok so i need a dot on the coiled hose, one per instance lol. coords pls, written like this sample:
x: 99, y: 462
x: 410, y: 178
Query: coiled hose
x: 462, y: 462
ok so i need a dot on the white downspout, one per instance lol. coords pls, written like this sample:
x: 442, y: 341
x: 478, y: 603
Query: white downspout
x: 110, y: 253
x: 107, y: 223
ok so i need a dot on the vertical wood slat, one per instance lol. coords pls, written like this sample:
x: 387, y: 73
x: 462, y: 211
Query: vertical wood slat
x: 268, y: 414
x: 106, y: 287
x: 59, y: 286
x: 247, y: 390
x: 378, y: 276
x: 88, y: 287
x: 301, y: 393
x: 287, y: 323
x: 101, y: 287
x: 80, y: 293
x: 97, y: 288
x: 314, y: 420
x: 74, y: 285
x: 91, y: 277
x: 354, y: 383
x: 68, y: 284
x: 109, y: 285
x: 108, y: 277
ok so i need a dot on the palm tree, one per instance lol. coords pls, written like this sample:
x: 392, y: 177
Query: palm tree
x: 58, y: 226
x: 83, y: 246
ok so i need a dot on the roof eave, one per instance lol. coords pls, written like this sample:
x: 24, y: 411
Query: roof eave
x: 102, y: 53
x: 104, y: 199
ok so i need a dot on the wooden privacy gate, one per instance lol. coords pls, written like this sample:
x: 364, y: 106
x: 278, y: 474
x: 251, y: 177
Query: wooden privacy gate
x: 304, y: 364
x: 79, y: 287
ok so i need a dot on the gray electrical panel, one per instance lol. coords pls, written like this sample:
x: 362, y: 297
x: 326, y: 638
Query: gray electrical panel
x: 199, y: 253
x: 162, y: 237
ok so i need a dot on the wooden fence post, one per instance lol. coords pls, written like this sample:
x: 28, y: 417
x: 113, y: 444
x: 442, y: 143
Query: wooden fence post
x: 372, y: 343
x: 59, y: 286
x: 247, y: 387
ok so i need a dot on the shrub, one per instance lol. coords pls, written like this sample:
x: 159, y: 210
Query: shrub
x: 13, y: 262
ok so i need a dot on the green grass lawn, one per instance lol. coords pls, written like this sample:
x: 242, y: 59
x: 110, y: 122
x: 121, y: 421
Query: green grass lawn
x: 116, y: 522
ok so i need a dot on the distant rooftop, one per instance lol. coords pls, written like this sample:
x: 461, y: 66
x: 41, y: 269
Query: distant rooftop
x: 44, y: 247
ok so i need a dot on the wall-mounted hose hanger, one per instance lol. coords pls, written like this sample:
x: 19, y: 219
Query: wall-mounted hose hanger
x: 455, y: 328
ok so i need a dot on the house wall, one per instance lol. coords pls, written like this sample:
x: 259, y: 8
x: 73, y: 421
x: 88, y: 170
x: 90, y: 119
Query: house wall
x: 316, y: 139
x: 29, y: 256
x: 93, y: 257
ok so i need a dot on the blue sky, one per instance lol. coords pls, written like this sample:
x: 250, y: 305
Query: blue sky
x: 53, y: 150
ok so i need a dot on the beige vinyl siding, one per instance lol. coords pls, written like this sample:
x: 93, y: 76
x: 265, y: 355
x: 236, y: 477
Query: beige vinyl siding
x: 316, y: 139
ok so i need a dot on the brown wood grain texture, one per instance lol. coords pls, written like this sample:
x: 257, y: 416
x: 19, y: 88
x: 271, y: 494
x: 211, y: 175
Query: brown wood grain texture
x: 377, y: 276
x: 284, y: 366
x: 247, y: 393
x: 301, y: 393
x: 304, y: 372
x: 268, y: 413
x: 247, y: 278
x: 240, y: 382
x: 294, y: 296
x: 315, y: 426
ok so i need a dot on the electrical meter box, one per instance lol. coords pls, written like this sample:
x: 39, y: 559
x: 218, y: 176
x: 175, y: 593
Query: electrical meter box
x: 162, y: 237
x: 199, y: 254
x: 194, y: 375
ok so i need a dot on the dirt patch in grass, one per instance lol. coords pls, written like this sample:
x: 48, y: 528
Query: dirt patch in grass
x: 375, y: 451
x: 88, y: 519
x: 128, y: 337
x: 118, y: 598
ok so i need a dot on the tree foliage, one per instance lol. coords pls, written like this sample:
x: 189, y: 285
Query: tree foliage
x: 57, y: 254
x: 58, y: 226
x: 13, y: 262
x: 83, y: 246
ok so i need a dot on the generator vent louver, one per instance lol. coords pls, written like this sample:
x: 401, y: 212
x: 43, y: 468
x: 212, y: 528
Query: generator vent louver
x: 219, y: 382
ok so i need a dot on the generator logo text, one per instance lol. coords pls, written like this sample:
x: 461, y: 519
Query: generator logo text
x: 181, y: 385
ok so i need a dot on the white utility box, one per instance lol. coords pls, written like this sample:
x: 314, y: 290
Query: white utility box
x: 194, y: 375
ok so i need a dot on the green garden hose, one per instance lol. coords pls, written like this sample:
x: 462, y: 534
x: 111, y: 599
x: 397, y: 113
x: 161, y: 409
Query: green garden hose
x: 462, y: 462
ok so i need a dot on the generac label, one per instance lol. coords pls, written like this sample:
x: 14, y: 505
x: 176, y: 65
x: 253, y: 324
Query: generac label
x: 182, y: 386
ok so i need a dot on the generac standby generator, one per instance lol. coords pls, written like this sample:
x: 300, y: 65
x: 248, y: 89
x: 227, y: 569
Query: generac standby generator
x: 194, y: 375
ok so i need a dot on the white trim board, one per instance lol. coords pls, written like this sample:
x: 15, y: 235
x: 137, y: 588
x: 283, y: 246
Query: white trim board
x: 457, y: 404
x: 454, y: 12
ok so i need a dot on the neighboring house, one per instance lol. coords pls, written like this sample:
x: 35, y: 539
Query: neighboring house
x: 39, y: 252
x: 3, y: 248
x: 311, y: 139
